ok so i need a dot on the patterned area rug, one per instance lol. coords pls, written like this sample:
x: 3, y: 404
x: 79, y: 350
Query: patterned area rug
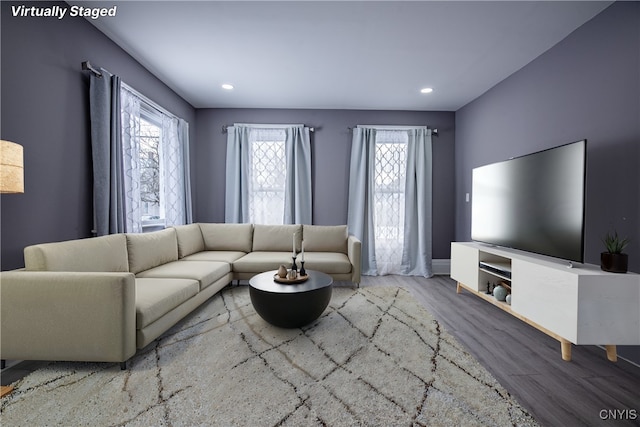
x: 374, y: 358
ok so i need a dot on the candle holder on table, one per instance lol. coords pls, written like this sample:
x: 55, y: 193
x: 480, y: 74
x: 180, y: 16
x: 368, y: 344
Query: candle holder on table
x: 303, y: 272
x: 294, y: 269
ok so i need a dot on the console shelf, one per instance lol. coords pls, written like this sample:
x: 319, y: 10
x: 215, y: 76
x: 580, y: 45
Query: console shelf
x: 582, y: 305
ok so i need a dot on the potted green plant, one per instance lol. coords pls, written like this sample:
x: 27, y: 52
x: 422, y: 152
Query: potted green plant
x: 613, y: 260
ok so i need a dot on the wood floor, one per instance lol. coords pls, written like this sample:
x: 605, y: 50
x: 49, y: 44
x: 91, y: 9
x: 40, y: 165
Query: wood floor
x: 528, y: 363
x: 588, y: 391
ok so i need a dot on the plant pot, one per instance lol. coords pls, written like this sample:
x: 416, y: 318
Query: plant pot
x: 614, y: 263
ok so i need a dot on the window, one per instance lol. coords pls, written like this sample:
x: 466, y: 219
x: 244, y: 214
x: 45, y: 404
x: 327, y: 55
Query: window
x: 390, y: 202
x: 155, y: 165
x: 267, y: 176
x: 151, y: 207
x: 389, y: 197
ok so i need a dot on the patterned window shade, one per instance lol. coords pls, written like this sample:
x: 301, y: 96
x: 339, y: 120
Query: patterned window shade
x: 389, y: 195
x: 267, y: 176
x: 172, y: 176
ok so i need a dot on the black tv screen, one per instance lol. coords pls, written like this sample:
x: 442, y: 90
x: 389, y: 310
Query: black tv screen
x: 534, y: 203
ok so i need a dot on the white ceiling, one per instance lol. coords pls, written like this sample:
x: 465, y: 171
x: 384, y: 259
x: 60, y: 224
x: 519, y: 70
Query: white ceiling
x: 338, y: 54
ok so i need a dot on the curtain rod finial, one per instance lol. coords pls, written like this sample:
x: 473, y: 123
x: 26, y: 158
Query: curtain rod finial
x: 86, y: 66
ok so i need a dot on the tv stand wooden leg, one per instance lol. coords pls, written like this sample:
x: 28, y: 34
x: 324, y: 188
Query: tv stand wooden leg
x: 5, y: 389
x: 566, y: 350
x: 458, y: 288
x: 612, y: 353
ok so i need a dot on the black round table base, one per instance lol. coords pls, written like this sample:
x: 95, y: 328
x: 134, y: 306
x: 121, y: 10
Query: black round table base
x: 290, y: 310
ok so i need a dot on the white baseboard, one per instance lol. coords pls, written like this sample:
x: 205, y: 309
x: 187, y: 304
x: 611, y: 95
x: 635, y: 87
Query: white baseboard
x: 441, y: 267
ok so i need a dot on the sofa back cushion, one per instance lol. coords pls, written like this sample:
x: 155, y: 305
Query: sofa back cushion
x: 148, y: 250
x: 276, y: 238
x: 227, y: 237
x: 104, y: 254
x: 190, y: 239
x: 325, y: 238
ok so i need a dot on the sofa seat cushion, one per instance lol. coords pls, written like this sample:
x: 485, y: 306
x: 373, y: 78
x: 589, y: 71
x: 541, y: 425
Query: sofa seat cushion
x: 221, y: 256
x: 327, y: 262
x: 204, y: 272
x: 157, y: 297
x: 259, y: 262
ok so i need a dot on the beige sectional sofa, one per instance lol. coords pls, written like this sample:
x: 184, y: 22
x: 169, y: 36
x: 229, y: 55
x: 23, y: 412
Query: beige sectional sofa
x: 100, y: 299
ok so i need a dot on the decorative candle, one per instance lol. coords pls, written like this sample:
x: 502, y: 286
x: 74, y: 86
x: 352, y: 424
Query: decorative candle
x: 302, y: 253
x: 294, y: 244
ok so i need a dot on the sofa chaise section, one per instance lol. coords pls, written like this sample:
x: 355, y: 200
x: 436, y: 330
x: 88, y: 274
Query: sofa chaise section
x: 100, y: 299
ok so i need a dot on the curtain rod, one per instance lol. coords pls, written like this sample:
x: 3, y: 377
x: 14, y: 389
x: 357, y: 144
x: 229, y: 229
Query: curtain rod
x: 434, y: 132
x: 225, y: 127
x: 86, y: 66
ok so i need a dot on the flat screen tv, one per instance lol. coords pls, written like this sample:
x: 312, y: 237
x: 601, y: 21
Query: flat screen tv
x: 535, y: 203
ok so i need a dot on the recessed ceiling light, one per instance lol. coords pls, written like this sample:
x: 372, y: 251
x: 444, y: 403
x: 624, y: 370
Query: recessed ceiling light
x: 426, y: 90
x: 227, y: 86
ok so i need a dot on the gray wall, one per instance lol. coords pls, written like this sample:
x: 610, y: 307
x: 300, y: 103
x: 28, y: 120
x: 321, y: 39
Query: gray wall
x: 331, y: 149
x: 587, y: 86
x: 45, y: 109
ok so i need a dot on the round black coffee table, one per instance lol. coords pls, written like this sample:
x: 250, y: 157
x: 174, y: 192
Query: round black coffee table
x: 290, y: 306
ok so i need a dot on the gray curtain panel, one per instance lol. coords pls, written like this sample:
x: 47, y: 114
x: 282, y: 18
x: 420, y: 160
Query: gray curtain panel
x: 106, y: 150
x: 236, y: 206
x: 360, y: 211
x: 297, y: 200
x: 417, y: 245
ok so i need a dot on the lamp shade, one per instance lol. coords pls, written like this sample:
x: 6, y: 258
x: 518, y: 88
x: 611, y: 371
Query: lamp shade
x: 11, y: 167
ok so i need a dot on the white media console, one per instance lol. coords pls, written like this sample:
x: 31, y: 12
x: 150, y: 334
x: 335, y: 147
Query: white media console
x: 580, y: 305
